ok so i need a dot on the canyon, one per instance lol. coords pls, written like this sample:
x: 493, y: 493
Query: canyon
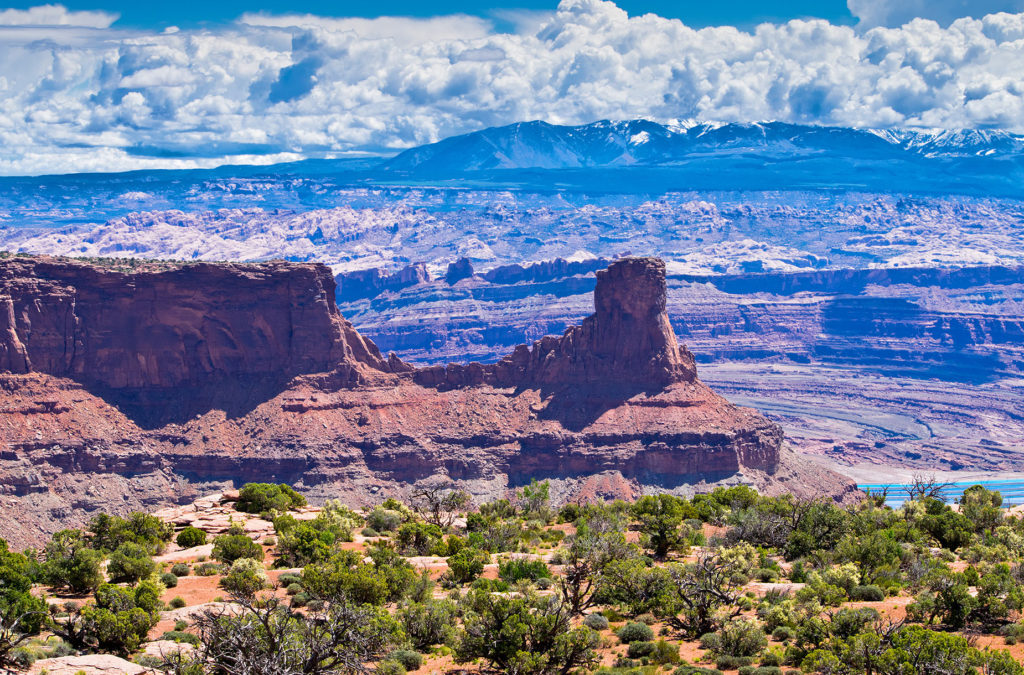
x: 861, y: 288
x: 249, y: 372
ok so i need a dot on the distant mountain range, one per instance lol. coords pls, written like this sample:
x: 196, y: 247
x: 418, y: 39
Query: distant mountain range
x: 642, y: 143
x: 604, y: 160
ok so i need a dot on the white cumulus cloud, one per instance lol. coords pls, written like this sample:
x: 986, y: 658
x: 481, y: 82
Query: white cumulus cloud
x: 56, y: 15
x: 82, y: 98
x: 899, y: 12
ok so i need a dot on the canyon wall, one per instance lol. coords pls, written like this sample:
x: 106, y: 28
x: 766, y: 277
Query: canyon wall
x: 613, y: 407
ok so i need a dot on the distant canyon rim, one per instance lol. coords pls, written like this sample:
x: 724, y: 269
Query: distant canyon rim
x: 864, y: 290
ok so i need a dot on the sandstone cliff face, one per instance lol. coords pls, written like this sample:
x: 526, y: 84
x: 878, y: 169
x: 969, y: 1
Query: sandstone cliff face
x: 171, y: 343
x: 612, y: 408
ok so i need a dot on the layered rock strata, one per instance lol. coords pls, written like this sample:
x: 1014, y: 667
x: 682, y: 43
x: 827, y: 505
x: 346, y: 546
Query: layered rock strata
x: 119, y: 390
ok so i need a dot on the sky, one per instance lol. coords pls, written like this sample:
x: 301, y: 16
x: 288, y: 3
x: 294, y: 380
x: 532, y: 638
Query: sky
x: 194, y: 13
x: 108, y: 86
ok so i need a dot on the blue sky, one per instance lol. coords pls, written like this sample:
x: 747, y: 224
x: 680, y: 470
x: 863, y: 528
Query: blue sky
x: 189, y: 13
x: 107, y: 85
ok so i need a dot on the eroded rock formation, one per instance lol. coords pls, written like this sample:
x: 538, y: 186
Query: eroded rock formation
x: 117, y: 393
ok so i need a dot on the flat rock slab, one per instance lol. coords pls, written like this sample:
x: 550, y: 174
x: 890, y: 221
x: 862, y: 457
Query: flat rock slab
x: 186, y: 613
x: 186, y: 554
x: 164, y: 648
x: 90, y: 664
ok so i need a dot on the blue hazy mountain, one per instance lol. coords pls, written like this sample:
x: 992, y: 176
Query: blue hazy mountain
x: 640, y: 157
x: 539, y: 145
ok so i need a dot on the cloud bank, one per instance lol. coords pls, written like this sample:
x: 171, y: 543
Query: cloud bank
x: 78, y: 96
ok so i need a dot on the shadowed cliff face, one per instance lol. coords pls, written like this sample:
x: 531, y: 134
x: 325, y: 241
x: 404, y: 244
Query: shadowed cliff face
x: 164, y: 345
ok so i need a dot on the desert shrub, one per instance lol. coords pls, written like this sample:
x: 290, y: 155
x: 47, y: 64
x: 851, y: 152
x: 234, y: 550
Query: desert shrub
x: 293, y: 589
x: 130, y: 563
x: 869, y: 593
x: 384, y: 520
x: 428, y: 623
x: 181, y: 636
x: 300, y: 600
x: 518, y: 569
x: 169, y: 580
x: 288, y: 579
x: 640, y: 649
x: 180, y: 569
x: 388, y: 667
x: 409, y: 659
x: 246, y: 578
x: 261, y: 497
x: 466, y: 565
x: 304, y: 544
x: 596, y: 621
x: 418, y: 538
x: 190, y: 537
x: 346, y: 575
x: 664, y: 653
x: 111, y: 532
x: 227, y: 548
x: 523, y: 634
x: 209, y: 569
x: 783, y: 634
x: 760, y: 670
x: 729, y: 662
x: 369, y: 532
x: 176, y: 602
x: 739, y: 637
x: 695, y: 670
x: 71, y: 564
x: 635, y: 632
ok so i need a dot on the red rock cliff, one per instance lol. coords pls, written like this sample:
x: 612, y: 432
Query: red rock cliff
x: 164, y: 341
x: 627, y: 343
x: 125, y: 390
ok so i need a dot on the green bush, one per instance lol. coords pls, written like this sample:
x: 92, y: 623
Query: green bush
x: 664, y: 653
x: 596, y: 621
x: 518, y: 569
x: 169, y: 580
x: 639, y: 649
x: 130, y: 563
x: 245, y: 578
x: 176, y: 602
x: 261, y: 497
x: 635, y: 631
x: 181, y: 569
x: 869, y: 593
x: 388, y: 667
x: 466, y: 565
x: 696, y: 670
x: 369, y: 532
x: 71, y: 564
x: 293, y: 589
x: 739, y: 637
x: 191, y: 537
x: 227, y: 548
x: 428, y: 623
x: 760, y: 670
x: 384, y: 520
x: 111, y: 532
x: 783, y: 634
x: 729, y: 662
x: 409, y: 659
x: 209, y: 569
x: 180, y: 636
